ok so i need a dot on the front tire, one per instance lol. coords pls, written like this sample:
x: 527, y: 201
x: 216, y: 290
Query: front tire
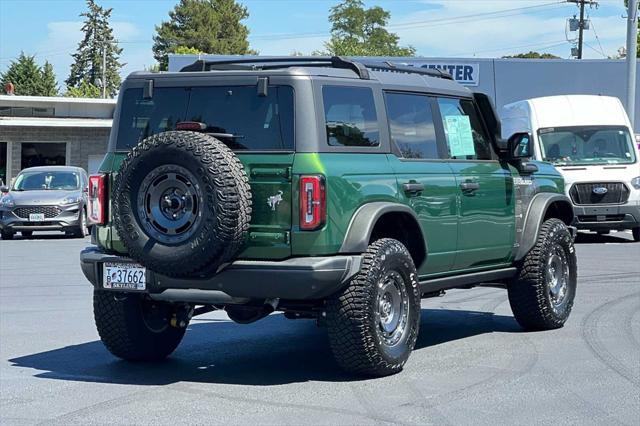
x: 82, y: 230
x: 133, y: 328
x: 541, y: 296
x: 636, y: 234
x: 6, y: 235
x: 373, y: 323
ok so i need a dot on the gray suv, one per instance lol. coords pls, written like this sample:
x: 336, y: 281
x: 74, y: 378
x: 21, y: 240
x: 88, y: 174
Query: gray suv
x: 49, y: 198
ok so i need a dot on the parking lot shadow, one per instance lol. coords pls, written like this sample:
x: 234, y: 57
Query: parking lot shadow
x: 593, y: 238
x: 269, y: 352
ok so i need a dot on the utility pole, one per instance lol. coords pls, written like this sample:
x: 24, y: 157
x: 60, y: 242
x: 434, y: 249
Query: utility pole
x: 581, y: 22
x: 632, y: 47
x: 581, y: 30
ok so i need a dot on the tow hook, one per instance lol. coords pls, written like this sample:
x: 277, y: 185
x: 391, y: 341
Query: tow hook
x: 181, y: 316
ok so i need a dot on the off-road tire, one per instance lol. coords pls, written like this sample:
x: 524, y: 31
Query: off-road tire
x: 529, y: 293
x: 7, y: 235
x: 636, y: 234
x: 353, y: 328
x: 124, y: 331
x: 225, y: 203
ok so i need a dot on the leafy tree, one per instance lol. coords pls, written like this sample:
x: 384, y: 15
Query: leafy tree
x: 98, y: 41
x: 29, y: 78
x: 184, y: 50
x: 533, y: 55
x: 356, y: 31
x: 84, y: 90
x: 211, y: 26
x: 626, y: 5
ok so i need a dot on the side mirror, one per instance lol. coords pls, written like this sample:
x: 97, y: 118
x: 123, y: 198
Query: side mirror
x: 4, y: 189
x: 520, y: 146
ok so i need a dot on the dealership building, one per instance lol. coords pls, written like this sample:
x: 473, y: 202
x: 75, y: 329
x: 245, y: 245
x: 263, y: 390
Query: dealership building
x: 38, y: 131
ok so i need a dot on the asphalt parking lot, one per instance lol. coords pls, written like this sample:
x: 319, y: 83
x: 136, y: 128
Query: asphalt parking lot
x: 472, y: 363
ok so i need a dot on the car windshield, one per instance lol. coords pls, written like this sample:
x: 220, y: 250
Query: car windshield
x: 34, y: 181
x: 237, y: 115
x: 586, y: 145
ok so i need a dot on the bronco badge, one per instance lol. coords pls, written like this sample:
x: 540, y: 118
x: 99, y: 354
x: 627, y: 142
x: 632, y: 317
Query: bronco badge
x: 274, y: 200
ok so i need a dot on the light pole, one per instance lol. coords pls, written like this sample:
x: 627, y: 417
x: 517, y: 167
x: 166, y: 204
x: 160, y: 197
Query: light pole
x: 632, y: 47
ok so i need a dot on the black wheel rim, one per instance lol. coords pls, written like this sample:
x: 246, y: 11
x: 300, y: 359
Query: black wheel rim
x: 557, y: 276
x: 169, y: 204
x: 392, y: 308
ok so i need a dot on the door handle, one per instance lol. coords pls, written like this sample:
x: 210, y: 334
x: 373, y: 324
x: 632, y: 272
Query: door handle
x: 412, y: 187
x: 469, y: 187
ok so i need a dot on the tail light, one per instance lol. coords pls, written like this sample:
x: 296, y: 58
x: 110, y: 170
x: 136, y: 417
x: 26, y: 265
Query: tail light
x: 313, y: 202
x: 97, y: 205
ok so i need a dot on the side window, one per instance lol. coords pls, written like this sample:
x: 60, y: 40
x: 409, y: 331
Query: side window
x: 466, y: 138
x: 411, y: 125
x: 350, y: 116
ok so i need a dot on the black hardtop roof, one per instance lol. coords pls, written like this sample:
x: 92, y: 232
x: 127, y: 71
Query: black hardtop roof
x: 391, y: 75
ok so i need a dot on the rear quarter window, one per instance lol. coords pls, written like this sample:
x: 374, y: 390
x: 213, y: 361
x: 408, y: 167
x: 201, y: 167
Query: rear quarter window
x: 350, y: 116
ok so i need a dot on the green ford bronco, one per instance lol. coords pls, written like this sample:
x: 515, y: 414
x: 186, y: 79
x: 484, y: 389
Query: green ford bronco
x: 324, y: 188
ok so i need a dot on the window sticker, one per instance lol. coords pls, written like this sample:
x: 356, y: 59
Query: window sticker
x: 458, y: 128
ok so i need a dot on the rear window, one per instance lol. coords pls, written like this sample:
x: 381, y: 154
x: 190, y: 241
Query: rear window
x: 252, y: 122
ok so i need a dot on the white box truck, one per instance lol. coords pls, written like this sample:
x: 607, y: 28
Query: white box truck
x: 590, y: 141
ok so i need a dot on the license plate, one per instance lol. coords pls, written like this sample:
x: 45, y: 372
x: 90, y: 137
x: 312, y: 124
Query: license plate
x: 36, y: 217
x: 601, y: 218
x: 125, y: 276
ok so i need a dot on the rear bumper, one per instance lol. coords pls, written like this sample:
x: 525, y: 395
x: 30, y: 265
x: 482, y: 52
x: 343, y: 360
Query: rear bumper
x: 303, y: 278
x: 613, y: 217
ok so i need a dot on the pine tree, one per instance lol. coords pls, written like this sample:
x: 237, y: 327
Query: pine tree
x: 211, y: 26
x: 98, y: 41
x: 29, y: 78
x: 49, y: 86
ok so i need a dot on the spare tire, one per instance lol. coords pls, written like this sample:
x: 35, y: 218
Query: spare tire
x: 182, y: 203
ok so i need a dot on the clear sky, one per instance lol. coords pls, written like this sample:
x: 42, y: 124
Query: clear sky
x: 50, y: 29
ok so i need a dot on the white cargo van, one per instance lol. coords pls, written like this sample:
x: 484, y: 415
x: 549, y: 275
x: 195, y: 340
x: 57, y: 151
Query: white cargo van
x: 590, y: 141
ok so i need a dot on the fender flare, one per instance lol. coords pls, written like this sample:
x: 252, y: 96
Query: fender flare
x: 535, y: 217
x: 359, y: 231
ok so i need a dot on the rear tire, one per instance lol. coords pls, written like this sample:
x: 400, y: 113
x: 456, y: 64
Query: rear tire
x: 373, y: 323
x: 541, y: 296
x: 636, y: 234
x: 26, y: 234
x: 133, y: 328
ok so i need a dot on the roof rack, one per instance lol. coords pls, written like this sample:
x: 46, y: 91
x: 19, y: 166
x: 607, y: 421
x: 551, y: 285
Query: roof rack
x: 361, y: 69
x: 276, y: 63
x: 391, y: 67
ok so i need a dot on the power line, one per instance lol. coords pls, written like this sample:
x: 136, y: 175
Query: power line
x: 597, y: 38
